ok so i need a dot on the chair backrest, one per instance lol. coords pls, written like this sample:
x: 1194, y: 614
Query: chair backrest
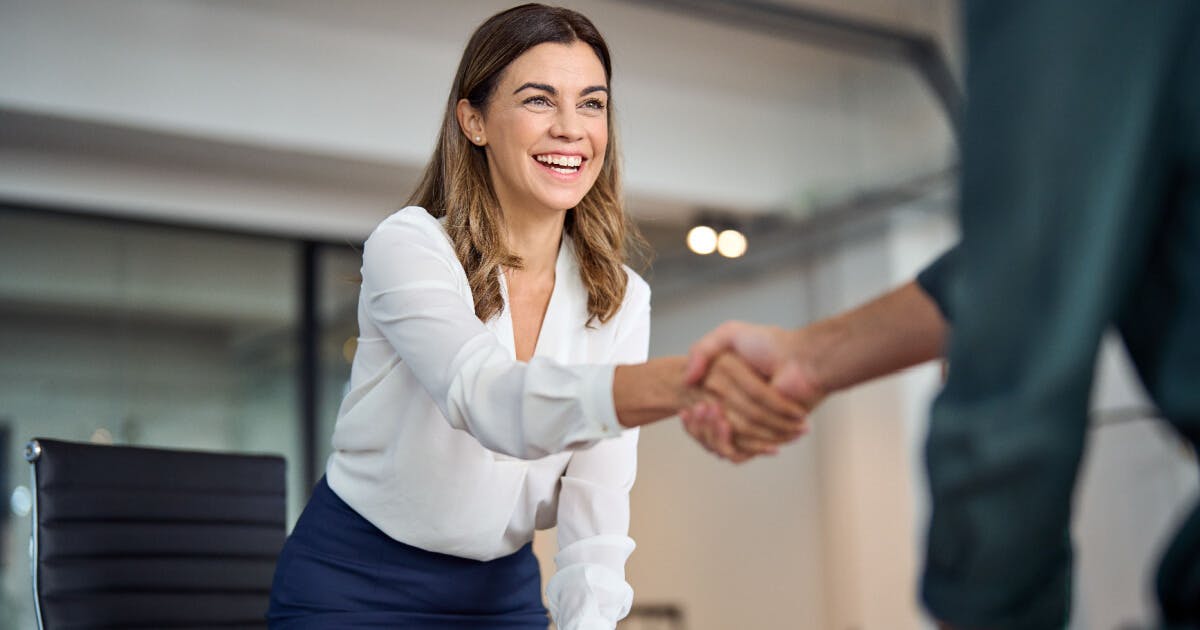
x: 151, y: 538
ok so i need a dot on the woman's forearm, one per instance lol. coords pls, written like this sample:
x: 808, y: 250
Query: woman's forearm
x: 645, y: 392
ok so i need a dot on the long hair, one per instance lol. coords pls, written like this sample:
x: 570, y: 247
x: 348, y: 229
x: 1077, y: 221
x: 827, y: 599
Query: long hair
x: 456, y: 184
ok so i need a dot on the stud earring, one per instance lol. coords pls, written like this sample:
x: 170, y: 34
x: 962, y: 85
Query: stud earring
x: 478, y: 139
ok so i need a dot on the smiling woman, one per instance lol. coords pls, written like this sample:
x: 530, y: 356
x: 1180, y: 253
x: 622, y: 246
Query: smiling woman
x: 501, y: 364
x: 531, y: 94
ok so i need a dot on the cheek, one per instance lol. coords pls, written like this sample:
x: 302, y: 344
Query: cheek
x: 600, y: 140
x: 511, y: 132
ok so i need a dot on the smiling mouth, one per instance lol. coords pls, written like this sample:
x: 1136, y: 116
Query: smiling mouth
x: 563, y: 164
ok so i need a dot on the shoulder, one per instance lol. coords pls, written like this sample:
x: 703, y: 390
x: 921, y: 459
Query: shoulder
x: 637, y: 292
x: 412, y: 221
x: 631, y: 324
x: 414, y: 228
x: 410, y: 243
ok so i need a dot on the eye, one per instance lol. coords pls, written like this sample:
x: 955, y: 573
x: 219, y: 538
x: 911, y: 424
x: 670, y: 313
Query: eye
x: 538, y: 101
x: 593, y: 103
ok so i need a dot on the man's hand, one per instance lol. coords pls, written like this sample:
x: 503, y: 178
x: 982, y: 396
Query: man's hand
x: 777, y: 354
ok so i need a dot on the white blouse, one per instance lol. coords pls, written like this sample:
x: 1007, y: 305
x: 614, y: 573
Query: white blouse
x: 446, y: 442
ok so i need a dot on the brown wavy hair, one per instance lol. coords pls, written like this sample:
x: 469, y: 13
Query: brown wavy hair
x: 456, y: 184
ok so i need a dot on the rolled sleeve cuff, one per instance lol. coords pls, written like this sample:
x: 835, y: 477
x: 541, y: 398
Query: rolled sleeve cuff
x: 585, y: 594
x: 589, y: 623
x: 599, y: 400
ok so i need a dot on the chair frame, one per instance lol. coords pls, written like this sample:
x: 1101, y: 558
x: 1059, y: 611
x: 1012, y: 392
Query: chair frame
x: 33, y: 451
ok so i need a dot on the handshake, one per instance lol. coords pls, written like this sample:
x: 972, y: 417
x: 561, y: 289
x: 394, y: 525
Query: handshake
x: 746, y: 389
x: 749, y: 389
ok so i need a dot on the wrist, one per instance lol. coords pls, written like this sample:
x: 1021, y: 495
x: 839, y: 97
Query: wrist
x: 650, y: 391
x: 813, y: 349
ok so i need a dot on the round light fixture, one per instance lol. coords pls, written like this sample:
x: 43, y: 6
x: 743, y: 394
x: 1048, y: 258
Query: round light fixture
x: 731, y: 243
x: 702, y: 240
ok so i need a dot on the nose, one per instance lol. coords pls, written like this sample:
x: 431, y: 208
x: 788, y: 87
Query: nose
x: 567, y: 125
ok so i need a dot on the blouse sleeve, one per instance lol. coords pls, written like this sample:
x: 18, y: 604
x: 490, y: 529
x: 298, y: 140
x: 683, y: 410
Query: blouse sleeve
x: 414, y: 291
x: 589, y: 590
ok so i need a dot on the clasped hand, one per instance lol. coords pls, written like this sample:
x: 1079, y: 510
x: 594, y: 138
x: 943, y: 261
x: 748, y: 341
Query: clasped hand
x: 753, y: 392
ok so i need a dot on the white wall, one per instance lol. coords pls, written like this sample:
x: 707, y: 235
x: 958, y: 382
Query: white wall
x: 737, y: 546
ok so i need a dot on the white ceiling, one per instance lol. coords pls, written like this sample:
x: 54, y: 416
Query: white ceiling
x: 711, y: 116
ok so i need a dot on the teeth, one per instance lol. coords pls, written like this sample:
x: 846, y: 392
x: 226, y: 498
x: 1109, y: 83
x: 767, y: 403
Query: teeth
x: 570, y: 161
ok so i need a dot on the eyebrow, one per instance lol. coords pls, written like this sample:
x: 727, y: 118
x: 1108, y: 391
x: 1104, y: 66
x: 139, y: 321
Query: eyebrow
x: 553, y: 92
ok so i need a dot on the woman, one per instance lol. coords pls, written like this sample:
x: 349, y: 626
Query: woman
x: 491, y: 314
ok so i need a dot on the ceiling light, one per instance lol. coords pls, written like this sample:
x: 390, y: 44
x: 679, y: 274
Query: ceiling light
x: 702, y: 240
x: 731, y: 243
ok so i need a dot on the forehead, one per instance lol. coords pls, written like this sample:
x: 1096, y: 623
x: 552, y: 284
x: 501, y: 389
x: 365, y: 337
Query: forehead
x: 559, y: 65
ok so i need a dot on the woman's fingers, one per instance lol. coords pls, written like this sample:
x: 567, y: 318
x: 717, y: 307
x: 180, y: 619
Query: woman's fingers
x: 697, y: 423
x: 710, y: 424
x: 706, y: 423
x: 753, y: 447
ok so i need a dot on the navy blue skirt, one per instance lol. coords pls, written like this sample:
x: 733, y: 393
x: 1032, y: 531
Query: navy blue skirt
x: 337, y: 570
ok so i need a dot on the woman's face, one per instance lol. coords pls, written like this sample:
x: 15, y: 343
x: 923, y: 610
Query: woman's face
x: 545, y: 128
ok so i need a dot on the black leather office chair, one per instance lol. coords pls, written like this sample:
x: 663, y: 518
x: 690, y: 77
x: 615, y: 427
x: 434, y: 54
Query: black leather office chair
x: 127, y: 537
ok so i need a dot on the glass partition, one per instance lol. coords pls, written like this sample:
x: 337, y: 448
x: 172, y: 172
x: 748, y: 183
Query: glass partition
x: 118, y: 332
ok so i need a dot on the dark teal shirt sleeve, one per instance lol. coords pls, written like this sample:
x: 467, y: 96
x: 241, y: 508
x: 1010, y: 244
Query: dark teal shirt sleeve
x: 935, y: 281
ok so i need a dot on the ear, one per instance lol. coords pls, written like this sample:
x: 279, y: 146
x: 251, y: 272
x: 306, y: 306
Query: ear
x: 470, y: 121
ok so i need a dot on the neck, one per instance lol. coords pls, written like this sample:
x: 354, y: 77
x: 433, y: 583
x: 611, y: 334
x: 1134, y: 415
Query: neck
x: 535, y: 237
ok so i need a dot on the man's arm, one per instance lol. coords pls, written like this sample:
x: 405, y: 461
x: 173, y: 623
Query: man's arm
x: 899, y: 329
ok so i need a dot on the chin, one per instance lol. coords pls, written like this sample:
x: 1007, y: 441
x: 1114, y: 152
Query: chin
x: 563, y: 203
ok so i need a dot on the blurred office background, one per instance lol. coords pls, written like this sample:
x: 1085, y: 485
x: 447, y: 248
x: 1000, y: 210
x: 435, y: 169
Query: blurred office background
x: 184, y: 185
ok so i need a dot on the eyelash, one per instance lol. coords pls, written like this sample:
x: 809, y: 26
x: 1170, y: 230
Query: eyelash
x: 593, y: 103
